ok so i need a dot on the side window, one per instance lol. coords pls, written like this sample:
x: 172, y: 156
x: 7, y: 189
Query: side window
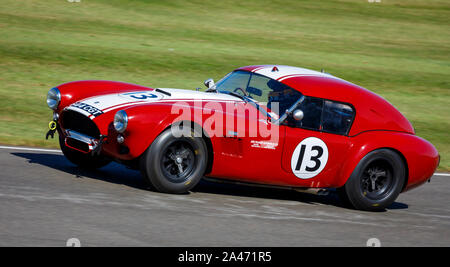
x: 312, y: 110
x: 337, y: 117
x: 281, y: 94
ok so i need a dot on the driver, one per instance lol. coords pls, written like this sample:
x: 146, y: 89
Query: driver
x: 282, y: 94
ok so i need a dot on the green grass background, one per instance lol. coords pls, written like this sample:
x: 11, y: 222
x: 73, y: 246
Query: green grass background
x: 398, y: 49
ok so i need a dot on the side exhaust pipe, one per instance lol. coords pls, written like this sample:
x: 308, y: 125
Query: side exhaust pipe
x: 314, y: 191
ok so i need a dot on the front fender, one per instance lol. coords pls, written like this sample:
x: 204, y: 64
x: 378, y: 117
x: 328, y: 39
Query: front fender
x: 420, y: 156
x: 146, y: 122
x: 74, y: 91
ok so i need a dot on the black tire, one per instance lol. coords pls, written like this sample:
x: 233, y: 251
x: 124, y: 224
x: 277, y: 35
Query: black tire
x: 174, y: 164
x: 82, y: 160
x: 343, y: 197
x: 376, y: 181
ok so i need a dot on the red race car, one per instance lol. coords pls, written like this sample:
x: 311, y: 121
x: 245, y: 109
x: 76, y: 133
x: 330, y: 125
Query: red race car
x: 268, y: 124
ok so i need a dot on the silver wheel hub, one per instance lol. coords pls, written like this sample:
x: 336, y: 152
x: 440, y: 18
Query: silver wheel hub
x: 374, y: 175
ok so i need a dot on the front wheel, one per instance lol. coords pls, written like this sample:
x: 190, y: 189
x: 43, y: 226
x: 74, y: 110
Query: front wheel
x: 174, y: 164
x: 376, y: 181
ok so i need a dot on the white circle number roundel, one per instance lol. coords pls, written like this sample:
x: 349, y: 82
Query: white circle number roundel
x: 309, y: 158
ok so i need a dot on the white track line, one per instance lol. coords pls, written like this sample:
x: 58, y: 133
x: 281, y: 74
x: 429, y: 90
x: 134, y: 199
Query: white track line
x: 59, y: 151
x: 30, y: 149
x: 441, y: 174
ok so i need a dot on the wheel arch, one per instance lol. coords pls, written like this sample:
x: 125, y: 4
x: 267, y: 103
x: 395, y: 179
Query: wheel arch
x: 405, y: 165
x: 367, y: 143
x: 349, y: 170
x: 400, y: 154
x: 419, y: 156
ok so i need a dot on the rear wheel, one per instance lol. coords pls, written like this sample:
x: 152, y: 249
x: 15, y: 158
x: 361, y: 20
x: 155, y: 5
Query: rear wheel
x: 376, y: 181
x: 83, y: 160
x: 174, y: 164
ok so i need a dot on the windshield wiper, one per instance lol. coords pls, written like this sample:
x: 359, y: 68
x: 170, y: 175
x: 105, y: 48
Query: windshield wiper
x: 238, y: 95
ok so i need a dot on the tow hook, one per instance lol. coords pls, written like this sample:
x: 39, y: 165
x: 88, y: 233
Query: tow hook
x: 52, y: 125
x: 98, y: 148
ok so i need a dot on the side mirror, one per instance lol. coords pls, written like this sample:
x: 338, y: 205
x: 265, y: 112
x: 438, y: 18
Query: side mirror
x: 298, y: 115
x: 209, y: 83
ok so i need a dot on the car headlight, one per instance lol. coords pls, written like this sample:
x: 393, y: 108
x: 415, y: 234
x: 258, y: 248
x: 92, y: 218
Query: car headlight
x: 120, y: 121
x: 53, y: 98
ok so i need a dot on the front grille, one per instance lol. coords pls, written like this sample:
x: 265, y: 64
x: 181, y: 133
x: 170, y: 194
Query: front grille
x: 78, y: 122
x: 73, y: 143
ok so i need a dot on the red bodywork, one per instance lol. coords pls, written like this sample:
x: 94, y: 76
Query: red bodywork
x: 377, y: 124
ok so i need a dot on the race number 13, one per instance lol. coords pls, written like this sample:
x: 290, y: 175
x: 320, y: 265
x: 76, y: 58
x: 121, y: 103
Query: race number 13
x: 309, y: 158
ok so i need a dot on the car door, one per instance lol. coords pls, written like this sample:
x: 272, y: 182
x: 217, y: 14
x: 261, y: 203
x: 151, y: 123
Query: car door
x: 252, y: 149
x: 315, y: 148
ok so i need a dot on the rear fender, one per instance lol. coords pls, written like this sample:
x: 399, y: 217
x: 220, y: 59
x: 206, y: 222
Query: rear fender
x: 420, y: 156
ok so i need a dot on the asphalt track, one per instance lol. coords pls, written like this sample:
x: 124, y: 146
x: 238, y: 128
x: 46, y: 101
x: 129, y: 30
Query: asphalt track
x: 45, y: 200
